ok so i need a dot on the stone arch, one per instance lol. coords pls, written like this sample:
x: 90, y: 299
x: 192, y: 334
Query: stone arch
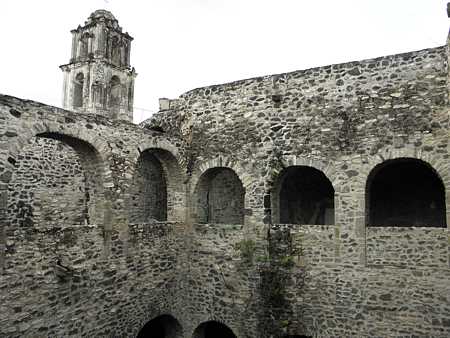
x: 78, y: 89
x: 101, y: 148
x: 157, y: 189
x: 163, y: 326
x: 320, y: 164
x: 213, y: 329
x: 97, y: 147
x: 434, y: 161
x: 303, y: 195
x: 273, y: 186
x: 405, y: 192
x: 219, y: 197
x: 248, y: 182
x: 241, y: 172
x: 65, y: 168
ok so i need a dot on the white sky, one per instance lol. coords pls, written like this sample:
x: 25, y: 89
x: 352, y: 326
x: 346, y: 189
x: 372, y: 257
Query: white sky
x: 184, y: 44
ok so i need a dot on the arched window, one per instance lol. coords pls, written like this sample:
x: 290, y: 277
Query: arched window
x: 303, y: 195
x: 78, y: 90
x: 116, y: 51
x: 405, y: 192
x: 115, y: 94
x: 220, y: 197
x: 164, y: 326
x: 84, y: 44
x: 213, y: 329
x: 58, y: 181
x: 98, y: 94
x: 148, y: 193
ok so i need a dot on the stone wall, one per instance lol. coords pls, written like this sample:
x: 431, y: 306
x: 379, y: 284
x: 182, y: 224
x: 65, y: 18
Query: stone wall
x: 48, y: 187
x: 219, y: 197
x: 110, y: 277
x: 149, y: 191
x: 343, y: 120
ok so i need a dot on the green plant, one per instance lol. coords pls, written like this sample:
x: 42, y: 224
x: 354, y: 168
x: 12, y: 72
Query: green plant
x: 287, y: 261
x: 279, y: 277
x: 247, y: 249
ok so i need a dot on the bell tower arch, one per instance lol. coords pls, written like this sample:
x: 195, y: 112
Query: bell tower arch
x: 98, y: 78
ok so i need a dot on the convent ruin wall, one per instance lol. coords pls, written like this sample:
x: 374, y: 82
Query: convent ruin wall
x: 114, y: 260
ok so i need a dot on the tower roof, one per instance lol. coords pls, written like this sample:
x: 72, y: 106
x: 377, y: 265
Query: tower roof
x: 100, y: 14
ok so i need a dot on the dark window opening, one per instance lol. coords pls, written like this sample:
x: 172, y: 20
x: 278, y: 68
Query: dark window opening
x: 78, y: 90
x: 84, y: 44
x: 115, y: 95
x: 130, y: 98
x: 116, y: 51
x: 213, y: 329
x: 405, y: 192
x: 303, y: 195
x: 157, y: 128
x: 164, y: 326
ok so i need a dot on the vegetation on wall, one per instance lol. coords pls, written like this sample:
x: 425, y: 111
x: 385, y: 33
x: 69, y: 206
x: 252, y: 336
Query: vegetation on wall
x: 279, y: 276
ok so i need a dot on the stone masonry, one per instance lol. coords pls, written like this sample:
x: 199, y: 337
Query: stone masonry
x: 307, y: 204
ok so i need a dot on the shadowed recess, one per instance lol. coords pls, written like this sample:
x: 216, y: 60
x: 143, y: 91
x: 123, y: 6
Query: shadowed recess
x: 303, y: 195
x: 164, y: 326
x: 213, y: 329
x: 405, y: 192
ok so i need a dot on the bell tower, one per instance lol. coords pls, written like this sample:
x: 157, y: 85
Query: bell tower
x: 99, y: 79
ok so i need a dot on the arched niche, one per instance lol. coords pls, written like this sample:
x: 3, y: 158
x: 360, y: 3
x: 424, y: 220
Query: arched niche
x: 84, y: 45
x: 157, y: 190
x: 115, y: 96
x: 219, y: 197
x: 78, y: 85
x: 116, y: 51
x: 405, y: 192
x: 57, y: 182
x: 98, y: 96
x: 164, y: 326
x: 213, y: 329
x: 302, y: 195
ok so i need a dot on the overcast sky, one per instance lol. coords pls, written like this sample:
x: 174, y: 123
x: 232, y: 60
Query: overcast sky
x: 184, y: 44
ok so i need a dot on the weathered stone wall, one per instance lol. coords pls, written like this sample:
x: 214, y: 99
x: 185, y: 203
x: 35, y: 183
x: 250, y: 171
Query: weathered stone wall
x: 48, y: 187
x: 219, y: 197
x: 65, y: 278
x: 256, y: 277
x: 149, y: 191
x: 322, y: 111
x: 342, y: 120
x: 411, y: 247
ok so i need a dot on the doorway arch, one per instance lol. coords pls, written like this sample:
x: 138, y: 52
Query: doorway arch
x: 213, y: 329
x: 164, y: 326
